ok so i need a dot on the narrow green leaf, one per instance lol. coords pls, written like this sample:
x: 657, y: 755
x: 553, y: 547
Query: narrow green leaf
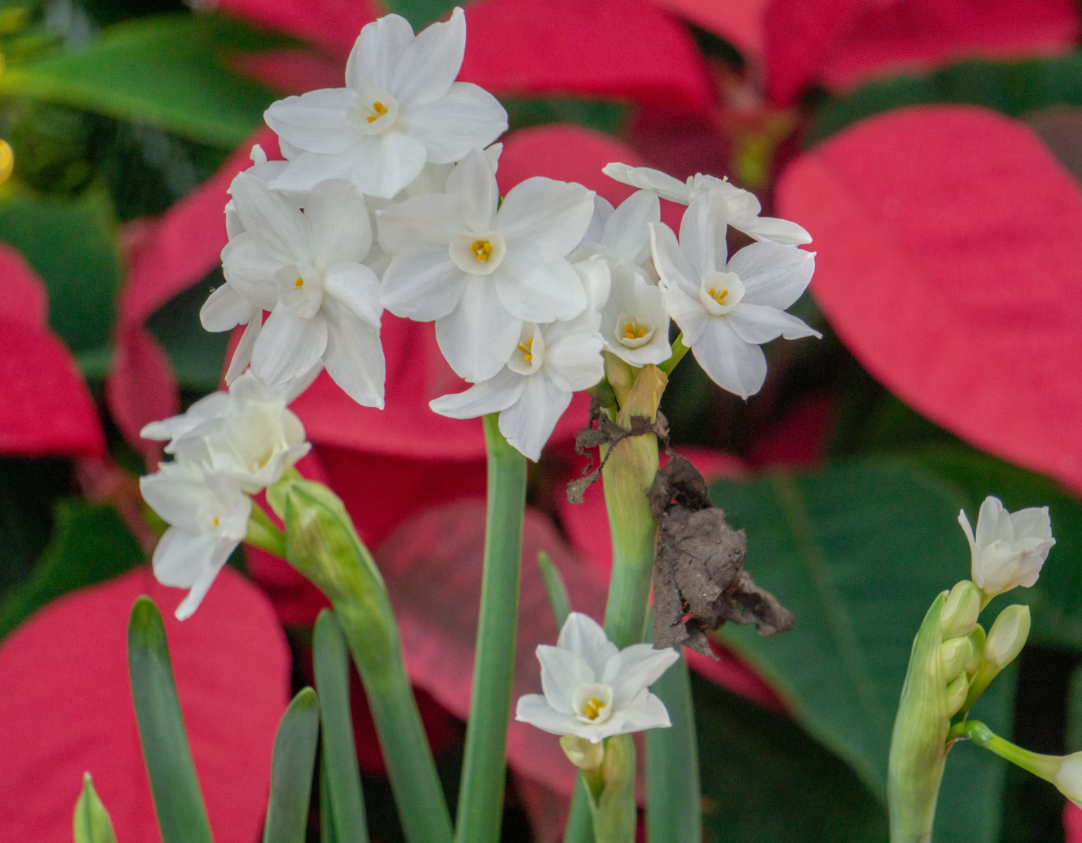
x: 673, y: 798
x: 608, y: 116
x: 420, y: 13
x: 182, y: 817
x: 327, y: 834
x: 341, y: 776
x: 292, y: 769
x: 555, y: 588
x: 91, y: 823
x: 168, y: 71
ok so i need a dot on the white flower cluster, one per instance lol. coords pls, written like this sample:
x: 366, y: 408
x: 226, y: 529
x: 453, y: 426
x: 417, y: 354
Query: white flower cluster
x: 387, y: 198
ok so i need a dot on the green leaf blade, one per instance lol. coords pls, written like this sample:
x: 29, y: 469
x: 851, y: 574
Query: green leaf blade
x: 178, y: 801
x: 91, y: 823
x: 292, y: 769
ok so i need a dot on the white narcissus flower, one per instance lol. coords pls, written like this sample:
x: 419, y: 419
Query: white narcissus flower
x: 305, y: 267
x: 592, y: 689
x: 247, y: 434
x: 549, y: 364
x: 208, y: 518
x: 726, y: 309
x: 743, y: 208
x: 1009, y: 548
x: 401, y: 108
x: 482, y: 269
x: 634, y: 319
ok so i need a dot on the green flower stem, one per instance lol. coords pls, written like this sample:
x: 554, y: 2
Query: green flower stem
x: 480, y: 803
x: 678, y: 352
x: 1042, y: 766
x: 580, y: 822
x: 322, y: 544
x: 264, y: 533
x: 673, y: 810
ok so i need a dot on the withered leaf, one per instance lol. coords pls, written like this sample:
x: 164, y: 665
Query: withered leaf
x: 699, y: 577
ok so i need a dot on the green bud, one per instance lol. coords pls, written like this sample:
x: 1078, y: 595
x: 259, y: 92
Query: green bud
x: 91, y: 823
x: 954, y: 654
x: 584, y: 754
x: 976, y: 639
x: 961, y: 610
x: 956, y: 693
x: 1005, y: 641
x: 612, y: 792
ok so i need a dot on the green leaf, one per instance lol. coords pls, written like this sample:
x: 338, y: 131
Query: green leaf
x: 767, y: 781
x: 196, y: 354
x: 292, y: 769
x: 1012, y: 88
x: 91, y: 823
x: 608, y: 116
x: 673, y: 811
x: 182, y: 817
x: 168, y: 71
x: 858, y: 552
x: 78, y: 260
x: 90, y: 544
x: 341, y: 776
x: 420, y: 13
x: 555, y: 588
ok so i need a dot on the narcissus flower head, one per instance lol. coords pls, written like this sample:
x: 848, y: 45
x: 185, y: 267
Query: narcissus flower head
x: 1009, y: 548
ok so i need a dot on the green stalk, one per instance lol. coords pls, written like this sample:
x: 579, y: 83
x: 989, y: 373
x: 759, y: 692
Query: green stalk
x: 678, y: 352
x: 480, y: 802
x: 1042, y: 766
x: 673, y: 811
x: 264, y: 533
x: 322, y: 544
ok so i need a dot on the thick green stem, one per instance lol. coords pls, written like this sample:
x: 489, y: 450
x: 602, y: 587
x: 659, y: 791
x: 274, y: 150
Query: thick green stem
x: 480, y: 802
x: 1042, y: 766
x: 673, y: 810
x: 264, y: 533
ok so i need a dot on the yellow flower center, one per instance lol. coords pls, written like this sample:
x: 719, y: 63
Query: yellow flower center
x: 719, y: 297
x: 592, y: 708
x: 380, y: 110
x: 299, y: 282
x: 217, y: 523
x: 525, y: 347
x: 482, y: 250
x: 633, y: 331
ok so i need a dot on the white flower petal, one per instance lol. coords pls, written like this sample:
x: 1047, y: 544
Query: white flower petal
x: 547, y: 214
x: 535, y: 710
x: 968, y: 530
x: 596, y: 278
x: 180, y: 495
x: 627, y: 232
x: 473, y: 182
x: 356, y: 288
x: 316, y: 121
x: 489, y: 396
x: 574, y: 362
x: 1033, y: 522
x: 223, y: 548
x: 288, y: 346
x: 583, y: 635
x: 772, y: 274
x: 467, y: 117
x: 758, y: 323
x: 354, y: 356
x: 377, y: 51
x: 645, y: 712
x: 776, y: 230
x: 537, y: 285
x: 390, y: 162
x: 271, y: 220
x: 251, y: 271
x: 562, y: 673
x: 529, y: 422
x: 645, y: 178
x: 242, y: 355
x: 602, y: 211
x: 429, y: 63
x: 478, y: 336
x: 182, y: 557
x: 435, y: 219
x: 702, y: 234
x: 423, y: 285
x: 732, y: 364
x: 341, y: 229
x: 634, y: 669
x: 672, y: 267
x: 993, y: 522
x: 224, y: 309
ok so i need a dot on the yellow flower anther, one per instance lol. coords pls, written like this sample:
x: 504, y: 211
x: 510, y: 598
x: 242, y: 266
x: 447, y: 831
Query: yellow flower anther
x: 380, y: 110
x: 719, y: 297
x: 299, y: 282
x: 216, y: 522
x: 527, y: 350
x: 633, y: 331
x: 482, y: 250
x: 592, y: 708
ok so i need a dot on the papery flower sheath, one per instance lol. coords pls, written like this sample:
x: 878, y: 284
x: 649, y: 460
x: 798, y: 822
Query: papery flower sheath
x: 305, y: 267
x: 247, y: 434
x: 482, y: 269
x: 1009, y: 548
x: 742, y: 208
x: 726, y: 309
x: 593, y: 690
x: 550, y: 363
x: 401, y: 108
x: 208, y: 518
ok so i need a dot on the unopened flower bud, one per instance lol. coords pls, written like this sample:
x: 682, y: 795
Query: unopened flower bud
x: 954, y: 654
x: 977, y: 640
x: 961, y: 610
x: 91, y: 823
x: 1069, y: 778
x: 584, y: 754
x: 1007, y: 636
x: 956, y: 694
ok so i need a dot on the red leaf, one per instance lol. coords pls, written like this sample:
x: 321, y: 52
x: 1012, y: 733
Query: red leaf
x: 1072, y: 822
x: 841, y: 42
x: 290, y: 71
x: 141, y: 388
x: 25, y: 297
x: 619, y: 49
x: 334, y: 24
x: 72, y: 711
x: 179, y: 249
x: 947, y: 245
x: 737, y: 21
x: 798, y: 439
x: 432, y: 566
x: 45, y: 407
